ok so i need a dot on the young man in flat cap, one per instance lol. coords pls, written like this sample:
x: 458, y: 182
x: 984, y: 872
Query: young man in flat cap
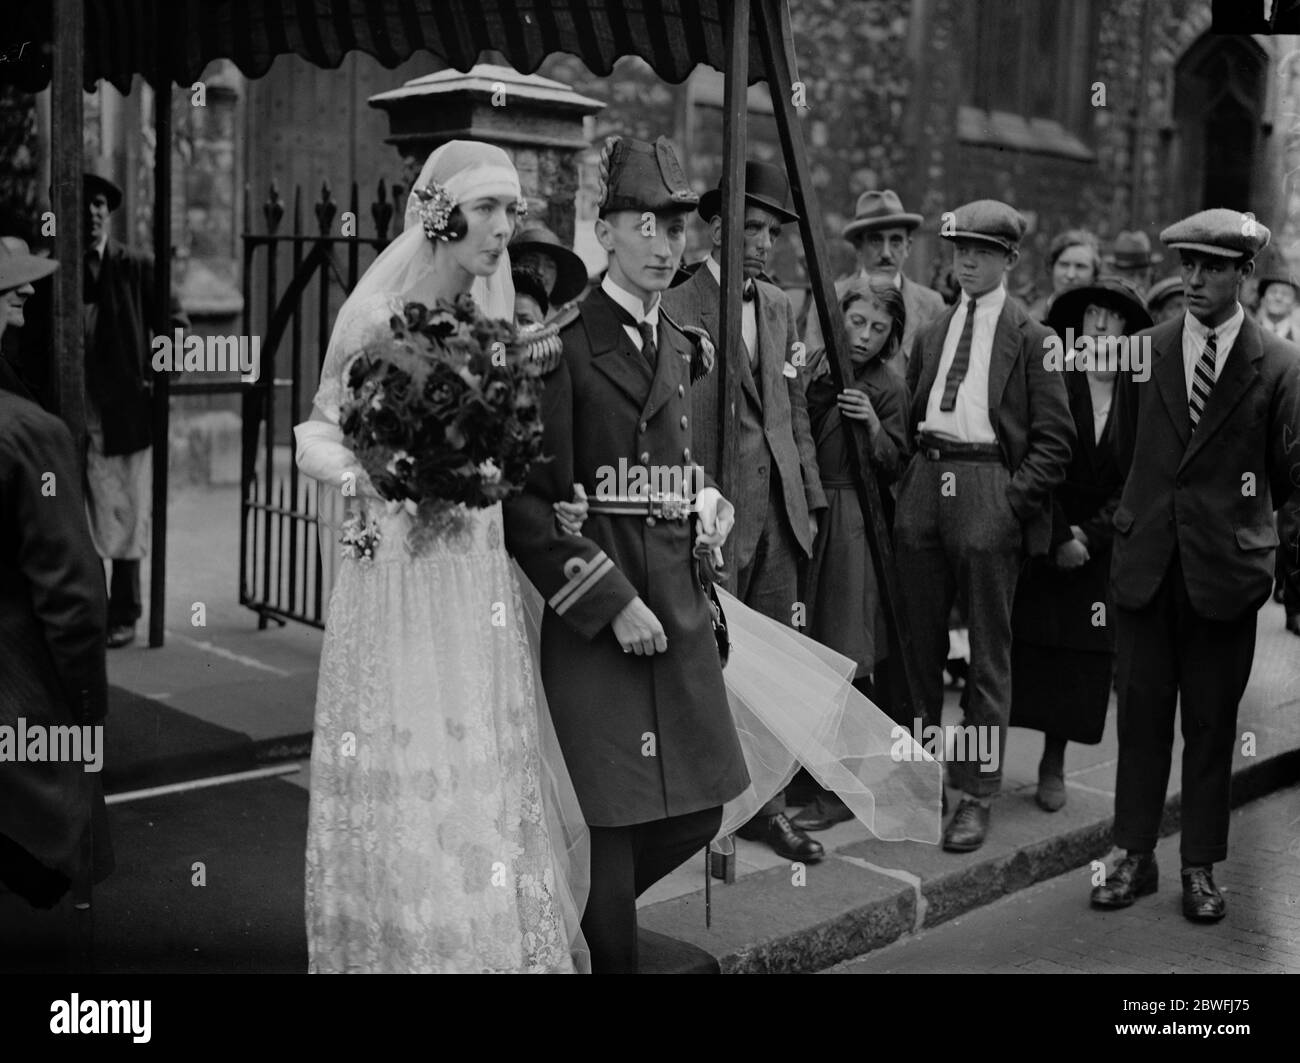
x: 881, y: 233
x: 629, y: 659
x: 994, y: 440
x: 1209, y: 446
x: 779, y: 491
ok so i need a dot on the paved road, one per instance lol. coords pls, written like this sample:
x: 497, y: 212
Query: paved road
x: 1050, y: 929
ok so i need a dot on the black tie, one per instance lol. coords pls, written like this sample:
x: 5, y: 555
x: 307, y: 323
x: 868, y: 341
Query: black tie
x: 648, y: 349
x: 747, y: 292
x: 960, y: 361
x: 90, y: 277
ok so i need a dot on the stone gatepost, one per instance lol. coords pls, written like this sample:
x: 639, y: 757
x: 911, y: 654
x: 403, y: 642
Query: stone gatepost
x: 539, y: 122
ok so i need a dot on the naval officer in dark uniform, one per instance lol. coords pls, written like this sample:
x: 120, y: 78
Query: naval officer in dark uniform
x: 629, y: 660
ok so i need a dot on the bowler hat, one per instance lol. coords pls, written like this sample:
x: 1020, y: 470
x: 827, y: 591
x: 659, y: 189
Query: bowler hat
x: 765, y: 186
x: 96, y: 179
x: 880, y: 210
x: 1116, y: 293
x: 1271, y: 268
x: 1132, y: 250
x: 643, y: 177
x: 987, y: 220
x: 18, y: 266
x: 1219, y: 231
x: 570, y: 270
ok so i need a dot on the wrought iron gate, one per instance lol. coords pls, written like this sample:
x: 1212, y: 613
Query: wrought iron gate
x: 280, y: 559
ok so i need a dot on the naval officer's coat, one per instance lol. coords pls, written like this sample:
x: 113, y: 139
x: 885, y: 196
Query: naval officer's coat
x: 644, y: 738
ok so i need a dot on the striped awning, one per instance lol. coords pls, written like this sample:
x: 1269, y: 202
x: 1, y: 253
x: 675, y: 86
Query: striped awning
x: 179, y: 38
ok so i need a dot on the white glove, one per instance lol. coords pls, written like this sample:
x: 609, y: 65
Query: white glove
x: 324, y: 456
x: 717, y: 518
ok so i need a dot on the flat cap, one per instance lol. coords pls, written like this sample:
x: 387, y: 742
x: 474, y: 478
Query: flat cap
x: 1220, y: 231
x: 989, y: 220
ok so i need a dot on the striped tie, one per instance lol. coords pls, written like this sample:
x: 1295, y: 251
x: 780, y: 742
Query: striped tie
x: 960, y: 361
x: 1202, y: 380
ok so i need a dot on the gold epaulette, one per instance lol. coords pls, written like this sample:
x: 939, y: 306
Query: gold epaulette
x: 703, y: 353
x: 542, y: 344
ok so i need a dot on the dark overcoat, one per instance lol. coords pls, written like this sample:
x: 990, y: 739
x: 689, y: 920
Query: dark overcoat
x: 52, y: 634
x: 644, y: 738
x: 772, y: 420
x: 1209, y: 493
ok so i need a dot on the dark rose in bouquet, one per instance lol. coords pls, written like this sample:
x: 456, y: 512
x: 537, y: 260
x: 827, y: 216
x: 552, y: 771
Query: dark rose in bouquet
x: 445, y: 412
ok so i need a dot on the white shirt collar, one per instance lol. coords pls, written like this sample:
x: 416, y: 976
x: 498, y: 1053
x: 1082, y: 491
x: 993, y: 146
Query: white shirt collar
x: 897, y: 282
x: 715, y: 267
x: 100, y: 245
x: 1226, y: 331
x: 631, y: 303
x: 989, y: 301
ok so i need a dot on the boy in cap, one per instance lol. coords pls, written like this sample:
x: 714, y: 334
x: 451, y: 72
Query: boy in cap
x: 1209, y: 446
x: 881, y: 234
x: 779, y: 492
x: 629, y: 659
x: 994, y: 440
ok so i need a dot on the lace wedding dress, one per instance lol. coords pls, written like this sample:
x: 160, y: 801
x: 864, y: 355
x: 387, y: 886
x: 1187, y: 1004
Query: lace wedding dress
x: 434, y: 841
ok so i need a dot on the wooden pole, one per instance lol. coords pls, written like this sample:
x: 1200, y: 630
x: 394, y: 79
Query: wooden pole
x: 162, y: 276
x: 66, y: 167
x: 735, y: 114
x: 777, y: 44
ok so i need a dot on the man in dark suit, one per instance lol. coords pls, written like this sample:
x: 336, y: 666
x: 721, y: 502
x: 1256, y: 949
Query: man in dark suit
x: 995, y: 435
x: 52, y: 671
x: 778, y: 493
x: 629, y: 660
x: 1211, y: 447
x: 119, y: 320
x: 881, y: 233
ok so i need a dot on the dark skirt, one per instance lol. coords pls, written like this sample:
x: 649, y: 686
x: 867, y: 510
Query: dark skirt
x: 1061, y: 692
x: 844, y: 607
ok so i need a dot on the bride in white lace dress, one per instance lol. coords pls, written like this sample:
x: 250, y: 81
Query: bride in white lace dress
x: 443, y: 834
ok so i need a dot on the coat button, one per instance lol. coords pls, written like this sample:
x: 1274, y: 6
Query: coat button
x: 685, y: 422
x: 681, y: 390
x: 650, y: 521
x: 645, y: 457
x: 686, y: 454
x: 644, y: 426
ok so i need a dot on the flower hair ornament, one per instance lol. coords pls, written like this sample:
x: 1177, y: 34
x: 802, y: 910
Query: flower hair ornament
x: 436, y: 205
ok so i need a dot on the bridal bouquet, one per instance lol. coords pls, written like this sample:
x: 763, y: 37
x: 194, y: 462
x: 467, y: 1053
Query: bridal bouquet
x: 444, y: 413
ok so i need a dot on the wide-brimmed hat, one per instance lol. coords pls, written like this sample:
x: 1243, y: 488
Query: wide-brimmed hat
x: 1132, y: 250
x: 880, y: 209
x: 18, y: 266
x: 766, y: 186
x: 570, y: 270
x: 97, y: 179
x: 1117, y: 293
x: 643, y: 177
x: 988, y: 220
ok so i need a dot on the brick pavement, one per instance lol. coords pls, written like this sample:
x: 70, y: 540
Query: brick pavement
x: 1050, y: 928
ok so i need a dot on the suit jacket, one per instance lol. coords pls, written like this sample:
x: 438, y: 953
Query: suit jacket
x: 1210, y: 493
x: 1055, y: 607
x: 52, y: 628
x: 644, y: 738
x: 1027, y: 404
x: 922, y: 305
x: 773, y: 417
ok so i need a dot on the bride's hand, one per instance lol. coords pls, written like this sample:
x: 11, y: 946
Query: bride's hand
x: 571, y: 515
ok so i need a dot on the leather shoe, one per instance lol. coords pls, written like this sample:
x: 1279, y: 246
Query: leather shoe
x: 1051, y: 793
x: 824, y: 811
x: 121, y: 635
x: 1133, y: 877
x: 1202, y: 901
x: 783, y: 837
x: 968, y: 827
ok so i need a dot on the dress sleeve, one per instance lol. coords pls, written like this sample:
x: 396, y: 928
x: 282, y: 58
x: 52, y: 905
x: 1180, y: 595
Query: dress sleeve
x: 358, y: 324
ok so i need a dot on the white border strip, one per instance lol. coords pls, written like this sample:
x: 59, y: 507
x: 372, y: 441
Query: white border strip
x: 200, y: 784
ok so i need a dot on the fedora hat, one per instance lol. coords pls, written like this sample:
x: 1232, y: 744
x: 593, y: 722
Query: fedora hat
x: 766, y: 186
x: 880, y: 210
x: 1117, y: 293
x: 1132, y: 250
x: 18, y: 266
x: 97, y: 179
x: 570, y: 270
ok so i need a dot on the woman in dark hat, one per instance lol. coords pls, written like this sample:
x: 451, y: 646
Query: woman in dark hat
x: 562, y: 271
x: 1062, y: 656
x: 844, y: 606
x: 531, y: 302
x: 1073, y: 259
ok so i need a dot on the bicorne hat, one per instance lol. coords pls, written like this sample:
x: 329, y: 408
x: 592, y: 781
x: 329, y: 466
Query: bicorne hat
x: 643, y: 177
